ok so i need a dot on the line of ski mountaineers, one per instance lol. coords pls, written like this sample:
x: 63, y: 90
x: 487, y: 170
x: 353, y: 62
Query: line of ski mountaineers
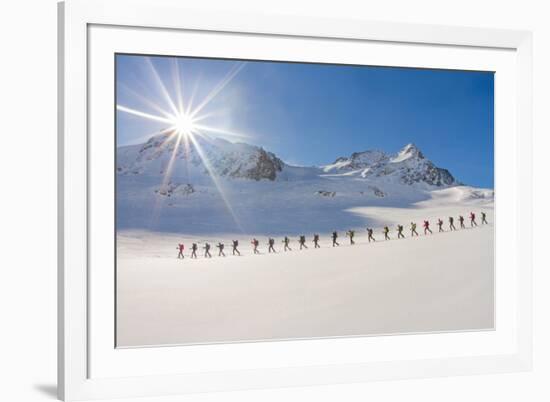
x: 350, y: 233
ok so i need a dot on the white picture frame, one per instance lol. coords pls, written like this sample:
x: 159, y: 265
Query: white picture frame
x: 80, y: 377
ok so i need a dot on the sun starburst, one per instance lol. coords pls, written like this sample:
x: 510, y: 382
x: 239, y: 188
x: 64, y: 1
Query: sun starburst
x: 182, y: 120
x: 184, y: 124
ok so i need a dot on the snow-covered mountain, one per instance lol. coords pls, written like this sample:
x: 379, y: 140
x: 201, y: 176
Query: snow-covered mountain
x: 254, y: 191
x: 244, y: 161
x: 408, y: 166
x: 227, y: 159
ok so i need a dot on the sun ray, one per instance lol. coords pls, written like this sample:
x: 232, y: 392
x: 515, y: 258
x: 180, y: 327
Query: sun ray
x: 165, y: 179
x: 170, y: 166
x: 187, y: 153
x: 217, y: 130
x: 146, y: 101
x: 204, y: 116
x: 168, y: 139
x: 215, y: 180
x: 193, y: 95
x: 218, y: 88
x: 146, y: 137
x: 178, y: 83
x: 143, y: 114
x: 161, y: 85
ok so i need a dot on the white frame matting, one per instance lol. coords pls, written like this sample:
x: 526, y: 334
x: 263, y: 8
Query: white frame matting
x: 89, y: 365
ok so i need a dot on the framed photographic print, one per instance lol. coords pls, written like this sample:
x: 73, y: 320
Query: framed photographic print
x: 256, y: 201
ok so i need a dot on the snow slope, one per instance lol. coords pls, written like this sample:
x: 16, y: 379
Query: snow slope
x: 439, y: 282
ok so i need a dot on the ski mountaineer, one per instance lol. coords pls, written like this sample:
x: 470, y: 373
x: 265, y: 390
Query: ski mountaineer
x: 461, y: 220
x: 351, y: 234
x: 386, y: 233
x: 221, y: 246
x: 440, y: 225
x: 316, y: 240
x: 452, y: 223
x: 302, y: 241
x: 427, y: 227
x: 194, y: 250
x: 207, y: 250
x: 255, y: 243
x: 334, y: 237
x: 484, y: 218
x: 370, y: 236
x: 286, y: 240
x: 271, y: 242
x: 180, y: 248
x: 413, y: 229
x: 400, y: 234
x: 235, y: 249
x: 473, y: 219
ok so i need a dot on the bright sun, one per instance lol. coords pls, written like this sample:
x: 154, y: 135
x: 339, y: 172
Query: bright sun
x: 184, y: 124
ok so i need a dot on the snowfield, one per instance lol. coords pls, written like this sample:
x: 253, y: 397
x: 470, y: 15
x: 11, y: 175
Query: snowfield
x: 439, y: 282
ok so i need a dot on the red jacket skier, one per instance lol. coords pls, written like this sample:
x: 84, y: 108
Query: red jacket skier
x: 255, y: 244
x: 473, y: 219
x: 427, y: 227
x: 180, y: 248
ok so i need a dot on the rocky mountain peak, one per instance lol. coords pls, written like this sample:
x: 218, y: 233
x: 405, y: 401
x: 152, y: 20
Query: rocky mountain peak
x: 408, y: 166
x: 410, y: 151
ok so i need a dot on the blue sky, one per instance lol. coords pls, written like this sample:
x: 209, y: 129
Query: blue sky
x: 310, y: 114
